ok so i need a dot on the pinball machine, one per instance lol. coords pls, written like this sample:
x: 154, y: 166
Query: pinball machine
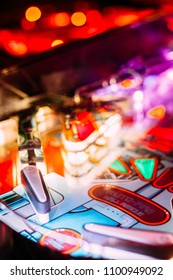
x: 86, y: 166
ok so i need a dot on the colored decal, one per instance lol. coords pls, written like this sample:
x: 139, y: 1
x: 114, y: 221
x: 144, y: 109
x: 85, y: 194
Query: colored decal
x: 165, y: 179
x: 146, y: 168
x: 120, y: 167
x: 157, y: 112
x: 139, y: 207
x: 84, y: 130
x: 64, y: 248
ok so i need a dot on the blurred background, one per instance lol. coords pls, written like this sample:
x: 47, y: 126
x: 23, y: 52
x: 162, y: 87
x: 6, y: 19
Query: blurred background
x: 31, y: 27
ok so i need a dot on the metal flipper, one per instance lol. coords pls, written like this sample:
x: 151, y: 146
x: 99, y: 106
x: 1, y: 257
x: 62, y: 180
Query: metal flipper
x: 142, y: 242
x: 36, y: 190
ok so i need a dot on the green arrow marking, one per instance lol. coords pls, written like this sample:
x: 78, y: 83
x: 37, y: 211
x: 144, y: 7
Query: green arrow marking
x: 118, y: 166
x: 145, y: 167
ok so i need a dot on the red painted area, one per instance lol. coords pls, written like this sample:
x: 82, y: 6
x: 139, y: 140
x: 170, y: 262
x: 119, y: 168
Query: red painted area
x: 165, y: 180
x: 140, y: 208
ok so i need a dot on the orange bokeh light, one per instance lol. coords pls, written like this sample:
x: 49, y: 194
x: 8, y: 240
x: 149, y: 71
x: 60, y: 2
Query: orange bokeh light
x: 157, y: 112
x: 123, y: 20
x: 78, y: 18
x: 16, y: 48
x: 60, y: 19
x: 57, y: 42
x: 33, y: 13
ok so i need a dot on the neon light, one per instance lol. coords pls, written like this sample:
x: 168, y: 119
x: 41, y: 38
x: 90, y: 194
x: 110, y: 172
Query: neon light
x: 145, y: 167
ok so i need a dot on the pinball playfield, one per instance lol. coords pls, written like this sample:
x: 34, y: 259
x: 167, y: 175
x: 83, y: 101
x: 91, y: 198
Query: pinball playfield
x: 96, y: 177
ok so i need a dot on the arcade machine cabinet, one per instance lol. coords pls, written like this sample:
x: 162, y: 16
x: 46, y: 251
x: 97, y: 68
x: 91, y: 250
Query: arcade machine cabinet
x: 87, y: 148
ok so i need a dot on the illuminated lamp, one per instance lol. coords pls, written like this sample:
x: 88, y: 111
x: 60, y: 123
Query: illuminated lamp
x: 33, y: 13
x: 78, y: 18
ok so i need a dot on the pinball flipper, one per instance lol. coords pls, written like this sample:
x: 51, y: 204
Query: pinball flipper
x: 156, y: 244
x: 37, y: 192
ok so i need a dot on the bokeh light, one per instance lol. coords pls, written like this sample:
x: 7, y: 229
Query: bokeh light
x: 78, y: 18
x: 33, y: 13
x: 170, y: 23
x: 27, y: 25
x: 16, y: 48
x: 57, y: 42
x: 123, y: 20
x: 94, y: 17
x: 60, y: 19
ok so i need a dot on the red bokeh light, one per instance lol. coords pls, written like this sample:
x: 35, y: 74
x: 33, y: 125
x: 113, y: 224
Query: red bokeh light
x: 170, y: 23
x: 27, y: 25
x: 14, y: 44
x: 94, y: 17
x: 57, y: 20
